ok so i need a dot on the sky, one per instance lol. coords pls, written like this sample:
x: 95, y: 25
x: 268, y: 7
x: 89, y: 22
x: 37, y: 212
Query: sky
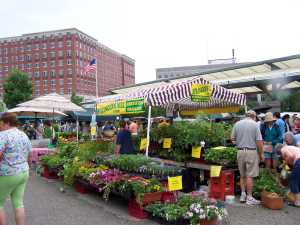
x: 167, y: 33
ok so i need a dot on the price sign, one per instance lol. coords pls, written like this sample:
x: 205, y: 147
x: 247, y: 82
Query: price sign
x: 167, y: 143
x: 93, y: 131
x: 143, y: 144
x: 196, y: 152
x: 175, y: 183
x: 215, y: 171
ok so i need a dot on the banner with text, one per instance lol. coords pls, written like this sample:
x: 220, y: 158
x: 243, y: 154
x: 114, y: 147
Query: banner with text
x: 201, y: 92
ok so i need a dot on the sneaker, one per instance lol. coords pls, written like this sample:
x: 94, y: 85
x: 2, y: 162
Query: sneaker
x: 243, y: 198
x: 252, y: 201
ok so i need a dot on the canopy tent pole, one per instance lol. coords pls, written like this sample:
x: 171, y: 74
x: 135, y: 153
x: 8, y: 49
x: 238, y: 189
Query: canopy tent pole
x: 77, y: 128
x: 148, y: 129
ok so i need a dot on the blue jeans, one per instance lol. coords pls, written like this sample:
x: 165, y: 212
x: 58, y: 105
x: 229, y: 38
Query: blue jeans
x: 294, y: 181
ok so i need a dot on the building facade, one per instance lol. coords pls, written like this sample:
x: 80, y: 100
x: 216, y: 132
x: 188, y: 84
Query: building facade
x: 55, y: 62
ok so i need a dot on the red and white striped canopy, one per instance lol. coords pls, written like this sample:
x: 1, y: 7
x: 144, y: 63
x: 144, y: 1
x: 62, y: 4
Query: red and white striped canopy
x: 179, y: 94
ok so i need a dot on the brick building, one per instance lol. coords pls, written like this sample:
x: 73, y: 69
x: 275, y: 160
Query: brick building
x: 55, y: 60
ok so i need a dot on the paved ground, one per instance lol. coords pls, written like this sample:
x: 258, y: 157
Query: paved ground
x: 46, y: 205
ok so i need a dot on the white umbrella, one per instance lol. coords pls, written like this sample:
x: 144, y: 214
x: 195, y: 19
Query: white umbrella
x: 31, y: 111
x: 53, y: 101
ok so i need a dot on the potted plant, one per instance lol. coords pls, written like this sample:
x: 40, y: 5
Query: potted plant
x: 225, y: 156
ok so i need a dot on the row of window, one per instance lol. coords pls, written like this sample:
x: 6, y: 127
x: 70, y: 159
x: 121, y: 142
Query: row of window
x: 36, y: 47
x: 53, y: 89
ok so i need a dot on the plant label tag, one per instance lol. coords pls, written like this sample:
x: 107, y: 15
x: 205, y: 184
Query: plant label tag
x: 143, y: 144
x: 175, y: 183
x: 215, y: 171
x: 167, y: 143
x: 196, y: 152
x: 93, y: 131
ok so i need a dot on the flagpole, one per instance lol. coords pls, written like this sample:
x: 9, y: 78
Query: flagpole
x: 96, y: 78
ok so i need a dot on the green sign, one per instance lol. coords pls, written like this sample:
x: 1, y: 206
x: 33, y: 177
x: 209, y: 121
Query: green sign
x: 135, y: 105
x: 201, y: 92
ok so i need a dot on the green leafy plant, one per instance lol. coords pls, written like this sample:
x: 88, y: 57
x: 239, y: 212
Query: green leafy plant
x: 267, y: 182
x: 221, y: 155
x: 52, y: 161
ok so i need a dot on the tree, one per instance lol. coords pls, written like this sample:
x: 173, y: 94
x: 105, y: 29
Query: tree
x: 292, y: 102
x: 3, y: 107
x: 76, y: 99
x: 17, y: 88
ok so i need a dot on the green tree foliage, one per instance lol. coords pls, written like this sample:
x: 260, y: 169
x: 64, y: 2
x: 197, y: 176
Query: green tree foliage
x: 291, y: 103
x: 76, y: 99
x: 17, y: 89
x: 3, y: 107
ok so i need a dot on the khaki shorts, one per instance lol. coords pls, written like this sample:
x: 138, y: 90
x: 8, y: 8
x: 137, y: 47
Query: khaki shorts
x: 248, y: 163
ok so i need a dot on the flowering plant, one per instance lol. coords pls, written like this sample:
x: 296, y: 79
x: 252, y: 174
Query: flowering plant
x: 204, y: 210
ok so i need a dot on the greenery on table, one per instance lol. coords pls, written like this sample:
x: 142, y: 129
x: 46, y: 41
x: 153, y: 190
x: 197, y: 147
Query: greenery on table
x: 221, y: 155
x: 52, y: 161
x: 267, y: 181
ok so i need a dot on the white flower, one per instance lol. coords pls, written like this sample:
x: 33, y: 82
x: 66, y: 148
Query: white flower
x: 202, y: 216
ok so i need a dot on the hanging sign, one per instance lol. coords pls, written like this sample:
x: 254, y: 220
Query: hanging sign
x: 201, y: 92
x: 93, y: 131
x: 175, y: 183
x: 196, y: 152
x: 143, y: 144
x: 121, y: 107
x: 215, y: 171
x: 167, y: 143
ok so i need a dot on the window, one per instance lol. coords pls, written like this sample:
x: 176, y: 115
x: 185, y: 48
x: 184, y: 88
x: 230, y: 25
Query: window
x: 44, y: 64
x: 52, y: 44
x: 21, y: 49
x: 12, y: 50
x: 36, y: 56
x: 69, y: 91
x: 53, y: 83
x: 69, y: 43
x: 28, y: 57
x: 0, y: 59
x: 69, y: 81
x: 59, y: 35
x: 22, y: 67
x: 45, y: 74
x: 69, y: 53
x: 16, y: 58
x: 6, y: 60
x: 29, y: 66
x: 37, y: 92
x: 36, y: 46
x: 5, y: 51
x: 44, y: 45
x: 60, y: 44
x: 61, y: 73
x: 45, y: 83
x: 45, y: 91
x: 52, y: 73
x: 62, y: 91
x: 44, y: 55
x: 69, y: 72
x: 52, y: 63
x: 61, y: 63
x: 6, y: 68
x: 0, y: 51
x: 37, y: 65
x: 28, y: 48
x: 61, y: 82
x: 69, y: 62
x: 37, y: 75
x: 60, y: 54
x: 52, y: 54
x: 12, y: 60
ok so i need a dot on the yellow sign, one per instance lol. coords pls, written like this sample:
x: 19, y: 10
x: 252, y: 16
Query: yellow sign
x: 196, y: 152
x: 121, y: 107
x: 215, y: 171
x: 175, y: 183
x: 93, y: 131
x: 167, y: 143
x: 143, y: 144
x: 201, y: 92
x: 210, y: 111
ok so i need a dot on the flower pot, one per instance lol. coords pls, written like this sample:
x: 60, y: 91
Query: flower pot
x: 271, y: 200
x: 208, y: 222
x: 49, y: 173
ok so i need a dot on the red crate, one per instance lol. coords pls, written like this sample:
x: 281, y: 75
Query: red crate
x: 168, y: 197
x: 80, y: 188
x: 151, y: 197
x: 222, y: 186
x: 136, y: 210
x: 48, y: 174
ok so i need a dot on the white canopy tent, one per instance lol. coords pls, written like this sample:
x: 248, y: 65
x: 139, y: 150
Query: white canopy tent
x: 32, y: 111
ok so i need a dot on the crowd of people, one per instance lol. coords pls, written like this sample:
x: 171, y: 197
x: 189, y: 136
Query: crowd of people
x: 267, y: 139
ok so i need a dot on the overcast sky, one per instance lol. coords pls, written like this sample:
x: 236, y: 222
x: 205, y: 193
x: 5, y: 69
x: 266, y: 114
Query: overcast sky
x: 167, y: 33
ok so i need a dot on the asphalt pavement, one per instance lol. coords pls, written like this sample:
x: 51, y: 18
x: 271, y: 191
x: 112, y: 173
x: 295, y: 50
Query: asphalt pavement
x: 46, y: 205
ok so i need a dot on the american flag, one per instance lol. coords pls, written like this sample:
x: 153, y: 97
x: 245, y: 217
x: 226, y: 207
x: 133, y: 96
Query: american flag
x: 91, y: 67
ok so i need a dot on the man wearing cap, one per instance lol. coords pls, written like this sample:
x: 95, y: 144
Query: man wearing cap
x: 247, y: 137
x: 271, y: 135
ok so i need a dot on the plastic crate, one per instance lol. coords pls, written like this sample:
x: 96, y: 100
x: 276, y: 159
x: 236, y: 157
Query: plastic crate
x: 80, y: 187
x: 49, y: 174
x: 136, y: 210
x: 223, y: 185
x: 168, y: 197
